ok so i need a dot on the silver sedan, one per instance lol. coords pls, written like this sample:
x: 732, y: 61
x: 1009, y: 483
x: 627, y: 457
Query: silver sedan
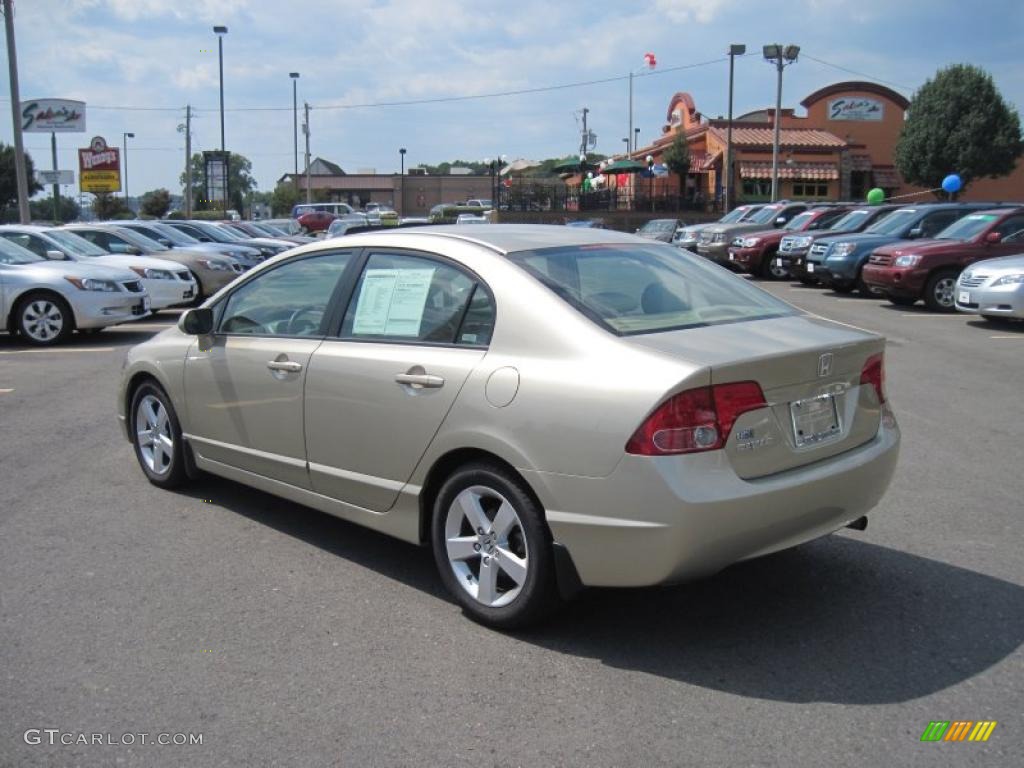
x: 46, y: 300
x: 545, y: 407
x: 993, y: 288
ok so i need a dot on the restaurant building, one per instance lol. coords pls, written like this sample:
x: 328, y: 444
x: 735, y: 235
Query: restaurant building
x: 842, y: 147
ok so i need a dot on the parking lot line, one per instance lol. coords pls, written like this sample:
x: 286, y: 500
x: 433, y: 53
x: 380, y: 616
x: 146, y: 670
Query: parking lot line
x: 56, y: 349
x: 936, y: 315
x: 1017, y: 338
x: 145, y: 326
x: 5, y: 391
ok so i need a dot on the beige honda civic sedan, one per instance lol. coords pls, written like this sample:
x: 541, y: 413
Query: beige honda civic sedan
x: 546, y: 407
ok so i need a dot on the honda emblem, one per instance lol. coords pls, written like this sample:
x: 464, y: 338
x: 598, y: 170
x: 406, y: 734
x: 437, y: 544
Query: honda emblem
x: 825, y: 364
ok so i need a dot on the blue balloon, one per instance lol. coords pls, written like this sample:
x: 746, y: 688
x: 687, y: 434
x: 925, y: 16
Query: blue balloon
x: 952, y: 183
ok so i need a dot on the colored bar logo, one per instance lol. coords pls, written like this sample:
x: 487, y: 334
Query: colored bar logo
x: 958, y: 730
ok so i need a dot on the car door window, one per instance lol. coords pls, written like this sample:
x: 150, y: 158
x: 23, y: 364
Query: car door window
x: 936, y: 222
x: 288, y: 300
x: 1012, y: 229
x: 418, y: 299
x: 31, y: 242
x: 99, y: 239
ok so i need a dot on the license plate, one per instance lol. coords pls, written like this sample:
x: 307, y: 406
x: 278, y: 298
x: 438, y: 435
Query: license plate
x: 778, y: 262
x: 732, y: 257
x: 187, y: 294
x: 815, y: 419
x: 965, y: 297
x: 810, y: 267
x: 145, y: 304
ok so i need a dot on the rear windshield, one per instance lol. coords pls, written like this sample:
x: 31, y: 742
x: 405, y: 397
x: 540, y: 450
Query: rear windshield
x: 967, y: 227
x: 765, y: 215
x: 851, y: 221
x: 633, y: 289
x: 895, y: 222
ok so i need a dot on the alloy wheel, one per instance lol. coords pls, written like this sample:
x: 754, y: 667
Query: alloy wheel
x: 42, y: 320
x: 943, y: 291
x: 486, y: 546
x: 153, y: 433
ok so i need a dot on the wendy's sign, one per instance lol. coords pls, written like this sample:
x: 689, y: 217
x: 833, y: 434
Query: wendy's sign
x: 53, y: 116
x: 99, y: 167
x: 859, y: 108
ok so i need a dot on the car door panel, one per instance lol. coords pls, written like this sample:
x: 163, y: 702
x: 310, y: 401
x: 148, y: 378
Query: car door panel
x: 365, y: 431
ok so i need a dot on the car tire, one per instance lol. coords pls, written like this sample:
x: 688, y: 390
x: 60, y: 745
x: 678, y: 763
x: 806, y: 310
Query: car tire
x: 807, y: 280
x: 940, y: 291
x: 519, y: 586
x: 902, y: 301
x: 768, y: 269
x: 44, y: 319
x: 160, y: 452
x: 843, y: 286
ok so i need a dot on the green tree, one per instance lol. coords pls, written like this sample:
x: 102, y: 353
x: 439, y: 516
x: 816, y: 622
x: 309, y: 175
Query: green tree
x: 677, y: 159
x: 240, y: 182
x: 42, y: 210
x: 283, y: 198
x: 958, y: 122
x: 109, y: 206
x: 9, y: 179
x: 156, y: 203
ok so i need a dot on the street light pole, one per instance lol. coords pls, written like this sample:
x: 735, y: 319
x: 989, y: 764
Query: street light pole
x: 295, y: 123
x: 124, y: 140
x: 305, y: 129
x: 736, y: 49
x: 220, y: 32
x: 19, y: 148
x: 401, y: 183
x: 780, y: 56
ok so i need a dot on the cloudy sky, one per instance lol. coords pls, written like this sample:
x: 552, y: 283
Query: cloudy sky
x: 137, y: 63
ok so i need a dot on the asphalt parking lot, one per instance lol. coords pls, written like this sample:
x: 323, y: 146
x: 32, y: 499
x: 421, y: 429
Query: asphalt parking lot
x: 287, y: 637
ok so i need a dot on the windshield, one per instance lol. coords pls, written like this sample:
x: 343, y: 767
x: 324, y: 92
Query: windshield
x: 265, y: 230
x: 289, y: 226
x: 749, y: 213
x: 74, y: 243
x: 659, y: 225
x: 174, y: 234
x: 734, y: 215
x: 230, y: 232
x: 799, y: 222
x: 147, y: 244
x: 851, y: 221
x: 967, y: 227
x: 214, y: 233
x: 632, y: 289
x: 765, y: 215
x: 894, y: 223
x: 15, y: 254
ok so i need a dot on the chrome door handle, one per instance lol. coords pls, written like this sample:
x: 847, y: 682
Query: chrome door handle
x: 284, y: 365
x: 420, y: 380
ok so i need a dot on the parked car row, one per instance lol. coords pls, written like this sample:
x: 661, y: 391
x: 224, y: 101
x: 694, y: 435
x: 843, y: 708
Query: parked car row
x: 54, y: 280
x: 909, y: 253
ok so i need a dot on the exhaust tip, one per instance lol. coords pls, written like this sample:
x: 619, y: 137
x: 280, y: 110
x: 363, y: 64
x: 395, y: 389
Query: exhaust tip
x: 860, y: 524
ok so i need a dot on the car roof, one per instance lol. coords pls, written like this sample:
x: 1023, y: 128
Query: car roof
x: 28, y: 227
x: 508, y: 238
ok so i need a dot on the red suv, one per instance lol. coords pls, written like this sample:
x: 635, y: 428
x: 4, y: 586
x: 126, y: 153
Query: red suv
x: 754, y: 252
x: 316, y: 221
x: 928, y: 269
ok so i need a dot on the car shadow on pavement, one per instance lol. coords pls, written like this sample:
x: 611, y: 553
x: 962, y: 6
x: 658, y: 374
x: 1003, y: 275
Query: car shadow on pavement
x: 998, y: 325
x: 837, y: 620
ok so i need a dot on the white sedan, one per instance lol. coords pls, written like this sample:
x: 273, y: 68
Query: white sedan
x: 167, y: 282
x: 993, y: 288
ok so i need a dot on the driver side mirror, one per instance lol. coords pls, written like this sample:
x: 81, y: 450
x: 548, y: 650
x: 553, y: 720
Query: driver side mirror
x: 993, y: 237
x: 914, y: 233
x: 125, y: 248
x: 55, y: 255
x: 780, y: 221
x: 166, y: 242
x: 197, y: 322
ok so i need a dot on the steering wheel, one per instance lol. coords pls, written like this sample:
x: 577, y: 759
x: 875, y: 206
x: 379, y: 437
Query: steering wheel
x: 295, y: 328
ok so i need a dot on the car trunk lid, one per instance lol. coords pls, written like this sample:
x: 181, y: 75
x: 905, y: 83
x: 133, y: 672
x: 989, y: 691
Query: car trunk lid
x: 810, y: 372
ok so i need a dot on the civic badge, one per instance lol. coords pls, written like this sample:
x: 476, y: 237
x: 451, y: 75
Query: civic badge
x: 825, y: 364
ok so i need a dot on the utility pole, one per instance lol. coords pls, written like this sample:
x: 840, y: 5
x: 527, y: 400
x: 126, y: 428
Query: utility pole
x: 19, y: 147
x: 188, y: 161
x: 56, y: 181
x: 629, y: 144
x: 305, y: 129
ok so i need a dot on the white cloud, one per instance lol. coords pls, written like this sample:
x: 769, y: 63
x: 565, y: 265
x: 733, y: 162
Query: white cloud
x: 684, y: 11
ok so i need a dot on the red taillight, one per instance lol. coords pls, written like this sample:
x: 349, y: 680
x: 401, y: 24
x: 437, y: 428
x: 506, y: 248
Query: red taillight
x: 873, y: 373
x: 695, y: 420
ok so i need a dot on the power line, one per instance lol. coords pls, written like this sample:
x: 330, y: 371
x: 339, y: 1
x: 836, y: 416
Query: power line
x: 855, y: 72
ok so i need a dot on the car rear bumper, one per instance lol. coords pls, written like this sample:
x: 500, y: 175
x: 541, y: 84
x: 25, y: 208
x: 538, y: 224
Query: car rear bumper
x: 1005, y: 301
x: 894, y: 281
x: 667, y: 519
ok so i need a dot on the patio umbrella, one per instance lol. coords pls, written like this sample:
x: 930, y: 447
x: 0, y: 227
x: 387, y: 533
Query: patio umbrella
x: 518, y: 165
x: 571, y: 166
x: 624, y: 166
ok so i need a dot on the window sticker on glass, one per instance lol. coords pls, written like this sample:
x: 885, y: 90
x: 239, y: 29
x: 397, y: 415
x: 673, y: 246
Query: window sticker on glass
x: 391, y: 302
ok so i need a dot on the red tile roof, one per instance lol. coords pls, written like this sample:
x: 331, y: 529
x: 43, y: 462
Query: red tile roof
x: 788, y: 137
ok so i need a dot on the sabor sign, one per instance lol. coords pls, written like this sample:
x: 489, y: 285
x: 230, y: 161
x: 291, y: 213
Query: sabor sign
x: 53, y: 116
x: 856, y: 109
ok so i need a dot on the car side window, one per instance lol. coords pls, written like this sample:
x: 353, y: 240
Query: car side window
x: 400, y: 297
x: 99, y: 239
x: 1012, y: 229
x: 34, y: 244
x: 289, y: 300
x: 936, y: 222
